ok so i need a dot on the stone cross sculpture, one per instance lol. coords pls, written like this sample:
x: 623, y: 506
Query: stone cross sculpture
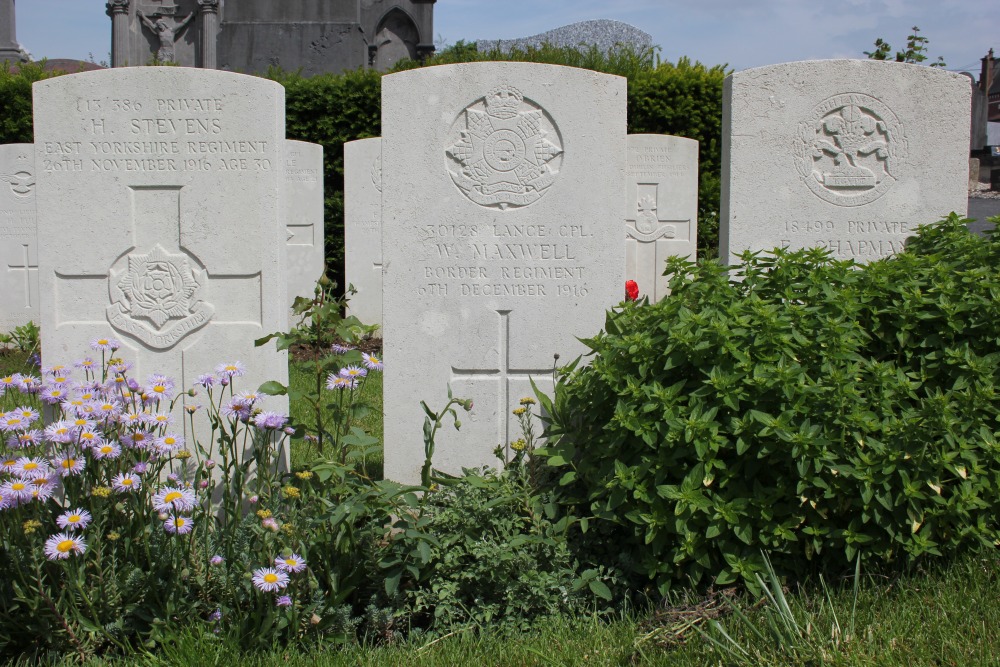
x: 167, y: 35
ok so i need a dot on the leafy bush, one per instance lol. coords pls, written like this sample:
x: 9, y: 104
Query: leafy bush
x: 817, y: 409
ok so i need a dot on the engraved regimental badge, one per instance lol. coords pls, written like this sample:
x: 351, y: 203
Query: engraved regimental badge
x: 850, y: 150
x: 506, y: 150
x: 22, y: 181
x: 155, y: 298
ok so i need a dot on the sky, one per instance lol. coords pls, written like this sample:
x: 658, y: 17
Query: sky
x: 738, y: 33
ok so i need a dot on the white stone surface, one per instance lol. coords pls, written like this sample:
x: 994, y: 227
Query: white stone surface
x: 161, y: 221
x: 850, y: 155
x: 662, y: 208
x: 501, y: 212
x: 304, y: 221
x: 18, y: 244
x: 363, y: 228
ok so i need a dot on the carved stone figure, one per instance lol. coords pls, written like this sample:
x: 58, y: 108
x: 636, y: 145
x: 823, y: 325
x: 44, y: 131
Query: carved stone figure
x: 166, y: 33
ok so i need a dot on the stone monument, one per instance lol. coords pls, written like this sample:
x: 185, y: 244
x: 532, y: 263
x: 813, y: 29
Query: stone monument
x: 662, y: 208
x: 304, y: 221
x: 849, y: 155
x: 501, y: 204
x: 363, y: 228
x: 252, y: 35
x: 18, y: 237
x: 10, y: 50
x: 161, y: 219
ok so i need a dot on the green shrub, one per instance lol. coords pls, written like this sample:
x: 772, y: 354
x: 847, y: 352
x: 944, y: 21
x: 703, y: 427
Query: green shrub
x: 816, y: 409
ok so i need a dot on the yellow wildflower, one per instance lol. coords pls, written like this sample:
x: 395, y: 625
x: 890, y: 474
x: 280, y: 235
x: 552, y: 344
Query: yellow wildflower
x: 183, y: 454
x: 304, y: 474
x: 291, y: 492
x: 527, y: 400
x: 113, y: 536
x: 520, y: 411
x: 518, y: 445
x: 263, y: 514
x: 31, y: 526
x: 101, y: 492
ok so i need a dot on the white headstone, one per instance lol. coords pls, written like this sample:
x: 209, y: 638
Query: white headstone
x: 160, y: 219
x: 363, y: 228
x: 18, y: 244
x: 304, y: 216
x: 850, y: 155
x: 501, y: 212
x: 662, y: 208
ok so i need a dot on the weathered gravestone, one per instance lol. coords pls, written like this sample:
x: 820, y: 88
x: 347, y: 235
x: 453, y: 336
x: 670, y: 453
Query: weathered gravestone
x: 850, y: 155
x: 304, y: 216
x: 501, y: 212
x: 160, y: 218
x: 363, y: 227
x: 662, y: 208
x: 18, y: 244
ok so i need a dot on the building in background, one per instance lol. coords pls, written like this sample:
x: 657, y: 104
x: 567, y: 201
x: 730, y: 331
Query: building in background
x: 313, y: 36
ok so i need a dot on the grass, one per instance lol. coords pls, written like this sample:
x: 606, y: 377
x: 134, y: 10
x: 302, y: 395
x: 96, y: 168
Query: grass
x: 944, y: 615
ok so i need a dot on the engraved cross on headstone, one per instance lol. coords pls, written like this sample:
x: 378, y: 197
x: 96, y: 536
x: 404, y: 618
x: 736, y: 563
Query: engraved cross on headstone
x: 158, y: 292
x: 27, y: 267
x: 504, y: 375
x: 650, y: 240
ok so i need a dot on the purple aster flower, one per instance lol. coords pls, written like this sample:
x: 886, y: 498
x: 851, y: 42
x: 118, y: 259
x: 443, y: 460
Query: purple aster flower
x: 270, y: 420
x: 74, y: 519
x: 215, y: 615
x: 290, y: 563
x: 86, y: 363
x: 68, y: 464
x: 30, y: 465
x: 126, y: 482
x: 60, y: 432
x: 353, y: 372
x: 62, y: 545
x: 29, y: 384
x: 216, y: 560
x: 25, y: 439
x: 105, y: 344
x: 283, y: 601
x: 372, y: 362
x: 342, y: 349
x: 173, y: 498
x: 269, y: 580
x: 206, y: 380
x: 178, y: 525
x: 106, y: 450
x: 231, y: 370
x: 140, y: 468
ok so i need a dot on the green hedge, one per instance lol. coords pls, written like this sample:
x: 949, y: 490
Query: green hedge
x: 684, y: 99
x: 817, y: 410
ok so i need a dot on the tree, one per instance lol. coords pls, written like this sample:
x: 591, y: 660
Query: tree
x: 915, y: 53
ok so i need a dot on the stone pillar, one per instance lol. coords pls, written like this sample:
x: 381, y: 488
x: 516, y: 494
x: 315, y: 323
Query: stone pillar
x: 118, y: 11
x: 209, y: 33
x: 9, y: 48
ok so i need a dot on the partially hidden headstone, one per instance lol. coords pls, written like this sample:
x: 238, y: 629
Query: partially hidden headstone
x: 304, y: 218
x: 363, y: 228
x: 501, y: 212
x: 18, y: 237
x: 849, y: 155
x: 160, y: 219
x: 662, y: 208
